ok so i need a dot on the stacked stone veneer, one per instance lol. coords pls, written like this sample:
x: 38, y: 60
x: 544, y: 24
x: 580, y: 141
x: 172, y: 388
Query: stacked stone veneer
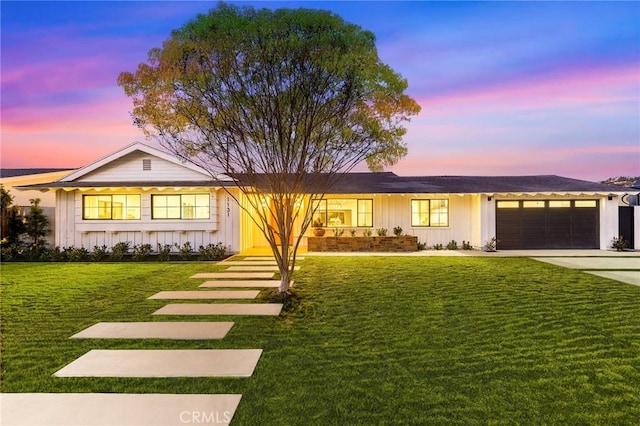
x: 375, y: 244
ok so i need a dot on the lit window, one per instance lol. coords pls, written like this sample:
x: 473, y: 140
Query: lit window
x: 429, y: 212
x: 559, y: 203
x: 111, y: 207
x: 184, y: 206
x: 349, y: 212
x: 508, y: 204
x: 586, y: 203
x: 533, y: 204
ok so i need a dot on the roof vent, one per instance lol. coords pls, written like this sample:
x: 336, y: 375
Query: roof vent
x: 146, y: 164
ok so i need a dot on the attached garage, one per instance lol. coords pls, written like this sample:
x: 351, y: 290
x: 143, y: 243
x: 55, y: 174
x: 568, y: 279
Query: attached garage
x: 547, y: 224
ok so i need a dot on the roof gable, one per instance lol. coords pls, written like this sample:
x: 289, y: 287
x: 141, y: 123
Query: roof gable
x: 137, y: 162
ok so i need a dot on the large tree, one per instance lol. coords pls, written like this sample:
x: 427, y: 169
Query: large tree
x: 283, y: 102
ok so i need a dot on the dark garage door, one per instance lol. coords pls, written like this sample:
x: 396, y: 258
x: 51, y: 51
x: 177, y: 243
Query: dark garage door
x: 547, y: 224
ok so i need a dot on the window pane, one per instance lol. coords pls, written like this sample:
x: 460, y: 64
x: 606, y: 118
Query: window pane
x: 586, y: 203
x: 533, y: 204
x: 439, y: 213
x: 202, y: 200
x: 559, y: 203
x: 341, y: 212
x: 202, y: 212
x: 320, y: 208
x: 508, y: 204
x: 97, y: 206
x: 419, y: 212
x: 365, y: 213
x: 165, y: 206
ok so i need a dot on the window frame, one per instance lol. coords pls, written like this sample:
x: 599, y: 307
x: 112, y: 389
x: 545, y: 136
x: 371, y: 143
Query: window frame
x: 181, y: 206
x: 323, y: 212
x: 428, y: 213
x: 125, y: 207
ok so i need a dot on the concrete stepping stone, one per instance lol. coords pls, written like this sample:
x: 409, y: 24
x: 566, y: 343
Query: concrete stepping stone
x: 156, y: 330
x: 220, y: 309
x: 163, y: 363
x: 242, y: 283
x: 234, y: 275
x: 231, y: 294
x: 259, y: 258
x: 249, y: 263
x: 100, y: 409
x: 256, y: 268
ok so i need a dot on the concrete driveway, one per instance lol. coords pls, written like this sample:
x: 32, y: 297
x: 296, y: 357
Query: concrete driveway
x: 624, y: 266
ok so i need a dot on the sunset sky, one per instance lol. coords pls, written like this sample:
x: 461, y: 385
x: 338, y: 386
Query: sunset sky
x: 506, y: 88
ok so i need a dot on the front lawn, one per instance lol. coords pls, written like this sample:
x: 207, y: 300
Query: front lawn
x: 429, y: 340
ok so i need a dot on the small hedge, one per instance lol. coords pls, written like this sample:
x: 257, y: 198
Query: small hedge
x: 122, y: 251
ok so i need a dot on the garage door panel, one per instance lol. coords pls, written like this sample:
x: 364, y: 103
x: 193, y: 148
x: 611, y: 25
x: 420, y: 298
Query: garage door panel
x: 557, y: 224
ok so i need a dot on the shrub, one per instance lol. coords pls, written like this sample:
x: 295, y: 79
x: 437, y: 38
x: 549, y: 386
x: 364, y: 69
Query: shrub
x: 466, y: 245
x: 213, y: 252
x: 185, y: 250
x: 99, y: 253
x: 141, y: 252
x: 452, y: 245
x: 352, y: 232
x: 12, y: 252
x: 397, y: 231
x: 619, y: 243
x: 77, y: 254
x: 164, y: 252
x: 120, y: 249
x: 366, y: 233
x: 491, y: 244
x: 438, y: 247
x: 422, y: 246
x: 337, y: 232
x: 57, y: 255
x: 382, y: 232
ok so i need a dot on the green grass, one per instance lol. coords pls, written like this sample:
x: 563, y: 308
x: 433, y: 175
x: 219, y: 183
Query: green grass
x: 375, y: 341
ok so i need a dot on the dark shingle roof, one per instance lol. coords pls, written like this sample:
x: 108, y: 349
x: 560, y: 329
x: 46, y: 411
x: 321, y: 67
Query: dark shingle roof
x: 390, y: 183
x: 6, y: 173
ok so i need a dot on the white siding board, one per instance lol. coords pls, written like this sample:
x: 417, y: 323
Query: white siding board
x: 129, y: 168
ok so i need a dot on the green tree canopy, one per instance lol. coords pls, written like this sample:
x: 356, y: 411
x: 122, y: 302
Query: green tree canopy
x: 265, y: 94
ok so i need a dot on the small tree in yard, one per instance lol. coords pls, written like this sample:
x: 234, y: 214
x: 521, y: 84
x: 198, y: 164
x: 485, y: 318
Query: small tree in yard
x: 12, y: 224
x: 36, y: 224
x: 282, y: 102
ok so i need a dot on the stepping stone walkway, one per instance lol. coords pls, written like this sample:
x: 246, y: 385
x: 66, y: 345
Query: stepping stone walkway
x: 90, y: 409
x: 93, y: 409
x: 164, y: 363
x: 220, y: 309
x: 156, y: 330
x: 242, y: 283
x: 256, y: 268
x: 233, y: 275
x: 232, y: 294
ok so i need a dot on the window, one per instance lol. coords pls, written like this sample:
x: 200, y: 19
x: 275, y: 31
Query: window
x: 111, y: 207
x: 430, y: 213
x: 585, y: 203
x: 533, y: 204
x: 559, y: 203
x: 180, y: 206
x: 344, y: 212
x: 508, y: 204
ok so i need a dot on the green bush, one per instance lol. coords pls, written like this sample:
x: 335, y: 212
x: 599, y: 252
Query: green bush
x: 213, y: 252
x: 141, y: 252
x: 164, y: 252
x: 382, y: 232
x: 185, y: 250
x: 120, y: 249
x: 452, y: 245
x: 100, y: 253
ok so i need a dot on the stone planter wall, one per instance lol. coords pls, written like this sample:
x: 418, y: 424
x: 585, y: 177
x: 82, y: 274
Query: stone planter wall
x: 403, y: 243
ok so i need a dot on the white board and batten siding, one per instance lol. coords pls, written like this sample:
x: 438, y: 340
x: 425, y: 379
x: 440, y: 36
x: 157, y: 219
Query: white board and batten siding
x: 145, y: 169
